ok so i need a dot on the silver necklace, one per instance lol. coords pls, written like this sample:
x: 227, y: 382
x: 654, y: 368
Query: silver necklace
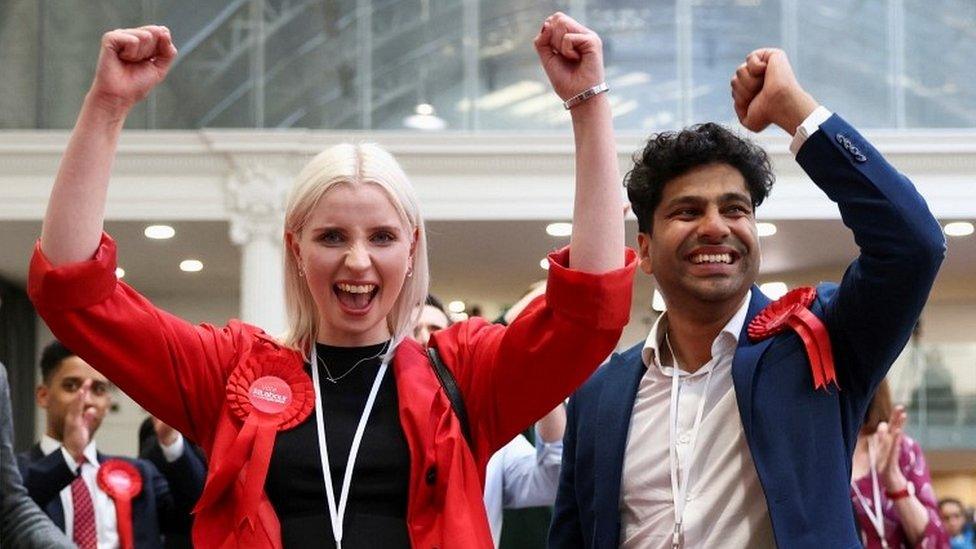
x: 335, y: 379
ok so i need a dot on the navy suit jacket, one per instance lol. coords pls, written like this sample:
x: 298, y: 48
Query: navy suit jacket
x: 801, y: 439
x: 161, y: 508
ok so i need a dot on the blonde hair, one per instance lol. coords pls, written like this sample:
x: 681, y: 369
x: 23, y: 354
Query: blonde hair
x: 361, y: 164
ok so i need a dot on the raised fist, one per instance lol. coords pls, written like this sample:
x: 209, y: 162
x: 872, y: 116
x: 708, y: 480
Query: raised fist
x: 131, y: 63
x: 765, y: 91
x: 571, y: 54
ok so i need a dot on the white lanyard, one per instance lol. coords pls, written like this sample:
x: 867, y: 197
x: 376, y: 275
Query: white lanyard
x: 679, y: 490
x: 877, y: 515
x: 338, y: 513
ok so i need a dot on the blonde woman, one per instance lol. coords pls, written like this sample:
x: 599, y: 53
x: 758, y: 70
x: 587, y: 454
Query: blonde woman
x: 339, y: 434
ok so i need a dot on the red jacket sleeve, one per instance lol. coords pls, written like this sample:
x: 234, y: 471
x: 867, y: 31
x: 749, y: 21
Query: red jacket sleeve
x: 511, y: 376
x: 175, y: 370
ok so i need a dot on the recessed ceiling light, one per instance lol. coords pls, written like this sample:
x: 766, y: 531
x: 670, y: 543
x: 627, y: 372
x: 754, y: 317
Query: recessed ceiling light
x: 657, y: 302
x: 959, y: 228
x: 544, y: 263
x: 456, y: 307
x: 119, y: 272
x: 191, y: 265
x: 774, y: 290
x: 425, y: 118
x: 559, y: 229
x: 159, y: 232
x: 765, y: 229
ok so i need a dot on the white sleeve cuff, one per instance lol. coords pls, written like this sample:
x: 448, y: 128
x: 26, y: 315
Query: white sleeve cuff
x: 547, y: 452
x: 808, y: 127
x: 174, y: 451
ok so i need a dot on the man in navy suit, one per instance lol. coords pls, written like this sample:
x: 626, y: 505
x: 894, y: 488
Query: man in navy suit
x: 60, y: 472
x: 701, y: 436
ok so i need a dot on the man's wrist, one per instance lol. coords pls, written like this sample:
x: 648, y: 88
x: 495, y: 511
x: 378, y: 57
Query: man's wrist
x: 796, y: 108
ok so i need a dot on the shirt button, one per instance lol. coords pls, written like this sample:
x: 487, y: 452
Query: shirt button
x: 684, y: 438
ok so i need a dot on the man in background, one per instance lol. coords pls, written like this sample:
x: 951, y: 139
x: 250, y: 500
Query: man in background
x: 60, y: 471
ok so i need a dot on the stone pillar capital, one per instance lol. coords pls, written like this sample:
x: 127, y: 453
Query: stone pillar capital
x: 256, y: 194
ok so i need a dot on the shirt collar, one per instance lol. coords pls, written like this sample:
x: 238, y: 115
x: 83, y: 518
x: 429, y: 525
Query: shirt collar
x: 49, y: 444
x: 727, y: 338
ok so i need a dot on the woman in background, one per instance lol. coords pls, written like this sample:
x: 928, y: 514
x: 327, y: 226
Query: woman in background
x: 890, y: 474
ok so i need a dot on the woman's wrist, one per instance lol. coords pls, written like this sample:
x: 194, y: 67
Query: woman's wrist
x: 596, y: 106
x: 105, y: 110
x: 896, y: 484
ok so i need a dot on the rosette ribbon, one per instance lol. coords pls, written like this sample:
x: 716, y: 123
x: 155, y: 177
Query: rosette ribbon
x: 792, y: 312
x: 122, y: 482
x: 267, y: 396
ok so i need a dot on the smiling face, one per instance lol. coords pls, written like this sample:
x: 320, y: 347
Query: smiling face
x: 355, y: 252
x: 703, y: 249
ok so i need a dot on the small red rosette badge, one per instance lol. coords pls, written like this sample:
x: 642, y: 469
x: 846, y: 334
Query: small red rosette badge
x: 792, y: 311
x: 122, y: 482
x: 269, y: 392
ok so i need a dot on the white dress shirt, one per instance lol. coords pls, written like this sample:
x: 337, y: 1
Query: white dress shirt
x: 725, y: 505
x: 519, y: 475
x: 105, y: 524
x: 106, y: 527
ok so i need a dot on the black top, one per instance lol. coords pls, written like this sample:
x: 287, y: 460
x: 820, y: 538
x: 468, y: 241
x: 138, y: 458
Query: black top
x: 377, y: 509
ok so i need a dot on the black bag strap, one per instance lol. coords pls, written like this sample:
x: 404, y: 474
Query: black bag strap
x: 450, y: 386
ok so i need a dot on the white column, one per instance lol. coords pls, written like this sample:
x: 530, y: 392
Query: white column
x: 256, y: 202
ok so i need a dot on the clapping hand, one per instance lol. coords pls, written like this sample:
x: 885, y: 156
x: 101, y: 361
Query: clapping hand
x: 165, y: 434
x: 78, y: 422
x: 887, y: 444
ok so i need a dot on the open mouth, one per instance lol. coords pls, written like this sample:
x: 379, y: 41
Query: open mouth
x: 355, y: 297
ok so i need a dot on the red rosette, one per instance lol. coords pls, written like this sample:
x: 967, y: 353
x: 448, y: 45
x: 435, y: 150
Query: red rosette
x: 792, y: 311
x: 122, y: 482
x: 268, y: 392
x: 284, y: 367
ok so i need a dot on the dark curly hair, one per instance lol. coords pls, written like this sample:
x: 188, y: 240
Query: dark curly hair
x: 668, y: 155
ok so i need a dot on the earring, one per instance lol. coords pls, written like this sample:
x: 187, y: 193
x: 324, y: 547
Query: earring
x: 301, y: 272
x: 410, y: 272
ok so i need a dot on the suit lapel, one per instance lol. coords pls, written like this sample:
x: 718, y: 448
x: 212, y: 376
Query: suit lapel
x: 746, y: 358
x: 615, y: 409
x: 53, y: 509
x: 35, y: 452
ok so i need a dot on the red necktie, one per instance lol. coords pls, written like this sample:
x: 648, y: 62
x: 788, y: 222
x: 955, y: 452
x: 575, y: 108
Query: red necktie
x: 84, y: 513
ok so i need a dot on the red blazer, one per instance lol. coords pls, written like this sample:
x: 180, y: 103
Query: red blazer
x: 509, y: 376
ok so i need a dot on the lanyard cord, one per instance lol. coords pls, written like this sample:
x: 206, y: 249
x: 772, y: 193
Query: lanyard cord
x: 877, y: 515
x: 679, y: 490
x: 338, y: 512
